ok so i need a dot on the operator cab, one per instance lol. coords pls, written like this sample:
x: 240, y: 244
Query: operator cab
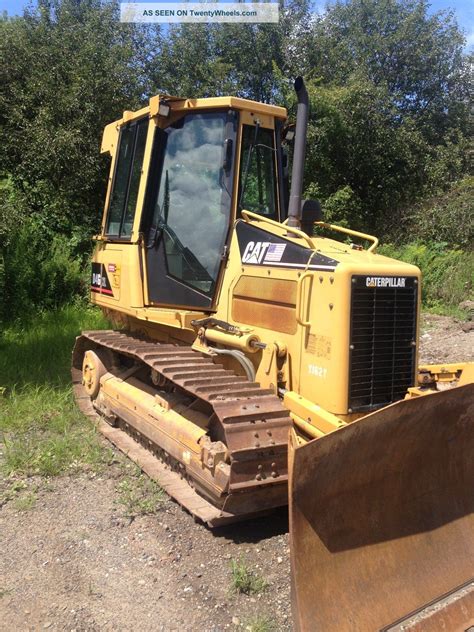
x: 182, y: 173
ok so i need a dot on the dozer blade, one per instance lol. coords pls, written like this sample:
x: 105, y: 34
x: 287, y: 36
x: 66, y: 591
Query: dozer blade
x: 381, y: 520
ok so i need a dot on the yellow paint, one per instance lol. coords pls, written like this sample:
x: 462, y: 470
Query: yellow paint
x: 311, y: 359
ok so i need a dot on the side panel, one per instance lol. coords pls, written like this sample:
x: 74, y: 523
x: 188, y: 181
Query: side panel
x: 116, y: 277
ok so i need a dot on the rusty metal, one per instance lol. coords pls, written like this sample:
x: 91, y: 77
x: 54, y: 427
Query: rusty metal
x: 453, y: 612
x: 381, y: 518
x: 249, y: 421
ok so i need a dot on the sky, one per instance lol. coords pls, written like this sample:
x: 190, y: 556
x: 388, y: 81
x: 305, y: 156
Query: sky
x: 464, y: 10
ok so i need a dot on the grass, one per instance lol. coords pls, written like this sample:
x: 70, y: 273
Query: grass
x: 138, y: 494
x: 244, y: 580
x: 42, y: 431
x: 25, y: 502
x: 260, y: 623
x: 447, y: 274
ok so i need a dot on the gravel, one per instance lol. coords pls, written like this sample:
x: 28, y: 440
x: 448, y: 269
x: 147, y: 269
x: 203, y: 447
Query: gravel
x: 74, y: 561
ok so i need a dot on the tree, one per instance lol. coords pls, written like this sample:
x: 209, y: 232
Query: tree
x: 67, y: 69
x: 241, y: 59
x: 362, y: 160
x: 417, y: 57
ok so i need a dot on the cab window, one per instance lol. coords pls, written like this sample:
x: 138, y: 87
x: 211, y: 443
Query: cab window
x: 128, y: 170
x: 257, y: 186
x: 192, y: 207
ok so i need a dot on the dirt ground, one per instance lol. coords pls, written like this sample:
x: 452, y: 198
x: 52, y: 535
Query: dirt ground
x: 74, y: 560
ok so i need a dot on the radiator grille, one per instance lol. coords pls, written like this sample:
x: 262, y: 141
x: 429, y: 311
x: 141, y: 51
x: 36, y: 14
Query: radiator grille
x: 382, y: 341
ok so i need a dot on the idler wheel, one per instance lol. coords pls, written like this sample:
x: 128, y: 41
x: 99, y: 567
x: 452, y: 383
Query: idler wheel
x: 93, y: 368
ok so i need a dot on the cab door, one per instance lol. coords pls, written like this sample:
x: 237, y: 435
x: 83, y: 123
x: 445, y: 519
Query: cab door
x: 188, y: 209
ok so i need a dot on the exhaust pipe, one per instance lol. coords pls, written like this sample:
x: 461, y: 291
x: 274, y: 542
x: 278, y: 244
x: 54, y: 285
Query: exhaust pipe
x: 294, y: 206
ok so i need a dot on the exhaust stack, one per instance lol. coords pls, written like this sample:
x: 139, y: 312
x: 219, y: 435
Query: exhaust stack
x: 294, y: 206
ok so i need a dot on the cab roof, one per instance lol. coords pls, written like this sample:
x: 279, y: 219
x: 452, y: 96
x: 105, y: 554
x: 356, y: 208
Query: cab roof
x: 179, y: 104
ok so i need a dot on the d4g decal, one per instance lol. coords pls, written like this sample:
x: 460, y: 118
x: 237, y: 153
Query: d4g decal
x: 100, y: 283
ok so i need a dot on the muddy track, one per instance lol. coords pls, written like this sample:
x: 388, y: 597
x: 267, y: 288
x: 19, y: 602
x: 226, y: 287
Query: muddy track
x: 250, y: 421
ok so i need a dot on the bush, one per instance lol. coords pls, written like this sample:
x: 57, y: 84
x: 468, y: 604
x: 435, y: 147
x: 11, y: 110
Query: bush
x: 39, y: 271
x: 448, y: 218
x: 445, y: 217
x: 447, y: 273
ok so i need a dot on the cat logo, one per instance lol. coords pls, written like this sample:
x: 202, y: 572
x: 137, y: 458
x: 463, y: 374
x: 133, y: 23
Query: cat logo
x: 385, y: 282
x: 263, y: 251
x: 255, y: 251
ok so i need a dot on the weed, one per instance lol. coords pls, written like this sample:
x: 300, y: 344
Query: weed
x: 139, y: 495
x: 26, y: 502
x: 245, y: 580
x: 93, y: 592
x: 260, y: 623
x: 11, y: 492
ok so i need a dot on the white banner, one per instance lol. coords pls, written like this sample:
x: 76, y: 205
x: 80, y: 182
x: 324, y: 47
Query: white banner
x: 199, y: 12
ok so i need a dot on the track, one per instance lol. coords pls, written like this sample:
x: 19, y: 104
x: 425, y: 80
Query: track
x: 250, y: 421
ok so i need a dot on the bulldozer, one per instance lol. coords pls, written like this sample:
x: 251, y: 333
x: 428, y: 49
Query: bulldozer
x: 262, y: 357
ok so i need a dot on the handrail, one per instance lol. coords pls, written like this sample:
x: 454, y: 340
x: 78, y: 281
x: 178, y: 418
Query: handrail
x: 248, y: 216
x: 354, y: 233
x: 299, y: 290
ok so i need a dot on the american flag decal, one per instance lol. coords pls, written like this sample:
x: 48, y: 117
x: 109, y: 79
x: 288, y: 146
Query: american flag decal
x: 274, y: 252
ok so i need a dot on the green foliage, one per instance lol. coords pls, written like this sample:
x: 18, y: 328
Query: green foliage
x: 396, y: 44
x: 446, y: 218
x: 37, y: 352
x: 389, y: 128
x: 360, y: 154
x: 42, y: 430
x: 448, y: 275
x: 246, y: 60
x: 25, y: 502
x: 40, y: 271
x: 260, y: 623
x: 67, y: 69
x: 244, y: 580
x: 343, y: 207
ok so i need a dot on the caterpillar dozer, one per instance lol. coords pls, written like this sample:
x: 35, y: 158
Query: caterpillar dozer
x: 262, y: 357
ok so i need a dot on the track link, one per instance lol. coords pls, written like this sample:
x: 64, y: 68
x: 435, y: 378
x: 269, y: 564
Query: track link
x: 249, y: 420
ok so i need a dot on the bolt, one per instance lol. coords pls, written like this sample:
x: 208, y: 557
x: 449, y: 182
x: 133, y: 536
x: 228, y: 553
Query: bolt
x: 273, y: 466
x: 255, y: 434
x: 257, y: 444
x: 331, y: 305
x: 331, y: 279
x: 260, y: 467
x: 269, y: 433
x: 259, y: 477
x: 274, y: 474
x: 320, y: 279
x: 351, y: 347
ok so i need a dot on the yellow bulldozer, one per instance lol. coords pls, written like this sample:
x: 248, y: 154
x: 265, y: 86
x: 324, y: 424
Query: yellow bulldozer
x: 261, y: 357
